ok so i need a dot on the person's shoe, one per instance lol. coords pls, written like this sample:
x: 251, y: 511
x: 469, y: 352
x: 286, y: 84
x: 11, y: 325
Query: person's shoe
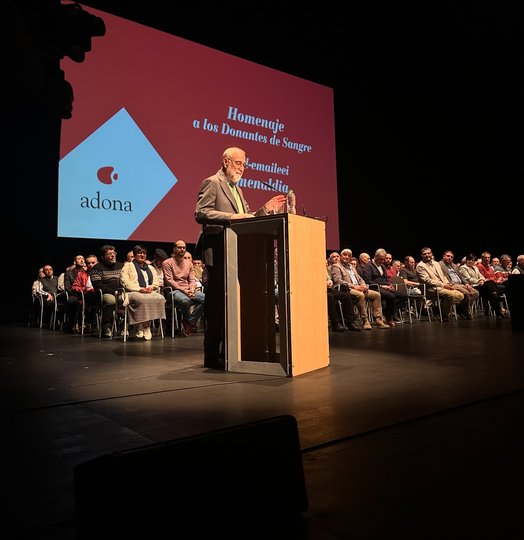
x: 107, y: 332
x: 367, y: 325
x: 339, y: 328
x: 379, y: 323
x: 186, y: 328
x: 139, y: 334
x: 391, y: 322
x: 353, y: 327
x: 194, y: 329
x: 214, y: 363
x: 147, y: 334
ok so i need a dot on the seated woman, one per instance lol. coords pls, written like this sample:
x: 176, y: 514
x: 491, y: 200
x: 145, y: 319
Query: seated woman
x: 140, y: 281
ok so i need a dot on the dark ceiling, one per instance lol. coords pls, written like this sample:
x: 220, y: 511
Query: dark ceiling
x: 428, y: 106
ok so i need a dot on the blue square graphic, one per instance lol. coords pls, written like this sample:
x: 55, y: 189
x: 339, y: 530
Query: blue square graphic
x: 110, y: 182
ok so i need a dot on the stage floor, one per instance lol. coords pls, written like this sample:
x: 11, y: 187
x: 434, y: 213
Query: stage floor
x: 413, y: 432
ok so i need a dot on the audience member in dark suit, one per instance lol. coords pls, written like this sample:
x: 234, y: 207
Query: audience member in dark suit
x: 219, y: 202
x: 375, y: 273
x: 49, y: 290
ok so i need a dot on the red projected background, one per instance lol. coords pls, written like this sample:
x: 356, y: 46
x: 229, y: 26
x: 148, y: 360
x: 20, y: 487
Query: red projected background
x: 186, y: 103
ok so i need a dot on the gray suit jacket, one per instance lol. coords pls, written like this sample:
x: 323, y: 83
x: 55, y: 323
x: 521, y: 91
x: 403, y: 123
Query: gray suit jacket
x: 215, y: 208
x: 216, y: 204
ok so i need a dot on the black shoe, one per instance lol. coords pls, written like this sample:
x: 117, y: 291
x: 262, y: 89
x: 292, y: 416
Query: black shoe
x: 353, y: 327
x: 339, y: 328
x: 214, y: 363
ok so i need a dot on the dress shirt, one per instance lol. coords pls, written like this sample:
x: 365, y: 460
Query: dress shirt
x: 455, y: 278
x: 352, y: 275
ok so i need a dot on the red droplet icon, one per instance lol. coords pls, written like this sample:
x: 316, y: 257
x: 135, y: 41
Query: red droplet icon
x: 106, y: 176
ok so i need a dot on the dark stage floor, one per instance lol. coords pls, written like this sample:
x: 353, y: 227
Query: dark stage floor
x: 413, y: 432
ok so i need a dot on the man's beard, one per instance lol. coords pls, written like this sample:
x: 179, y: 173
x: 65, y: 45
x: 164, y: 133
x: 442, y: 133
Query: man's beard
x: 235, y: 177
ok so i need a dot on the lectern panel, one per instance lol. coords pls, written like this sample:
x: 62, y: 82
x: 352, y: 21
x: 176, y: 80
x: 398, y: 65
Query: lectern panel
x: 252, y: 343
x: 307, y: 294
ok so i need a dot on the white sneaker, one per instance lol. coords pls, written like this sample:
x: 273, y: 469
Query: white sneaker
x: 139, y: 334
x: 147, y: 333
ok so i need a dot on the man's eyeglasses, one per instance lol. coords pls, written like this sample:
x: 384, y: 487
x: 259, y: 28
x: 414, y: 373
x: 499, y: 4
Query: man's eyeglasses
x: 237, y: 163
x: 180, y: 247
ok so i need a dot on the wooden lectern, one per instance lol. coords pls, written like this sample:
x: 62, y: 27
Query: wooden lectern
x: 283, y: 251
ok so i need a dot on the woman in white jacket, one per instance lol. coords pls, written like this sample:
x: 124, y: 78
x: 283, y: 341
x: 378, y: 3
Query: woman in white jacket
x: 140, y: 280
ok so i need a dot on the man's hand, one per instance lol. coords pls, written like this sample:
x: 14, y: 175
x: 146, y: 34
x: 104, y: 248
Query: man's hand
x: 275, y: 204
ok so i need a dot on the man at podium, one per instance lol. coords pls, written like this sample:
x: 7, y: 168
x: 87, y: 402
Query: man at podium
x: 220, y: 201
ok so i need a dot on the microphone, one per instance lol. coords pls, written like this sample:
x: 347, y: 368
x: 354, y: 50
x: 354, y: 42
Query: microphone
x: 320, y: 218
x: 270, y: 186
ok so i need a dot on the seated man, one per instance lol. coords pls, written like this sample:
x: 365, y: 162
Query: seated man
x: 470, y: 294
x: 489, y: 275
x: 343, y: 273
x: 375, y: 273
x: 334, y: 296
x: 437, y: 284
x: 49, y: 291
x: 105, y: 277
x: 179, y: 274
x: 409, y: 275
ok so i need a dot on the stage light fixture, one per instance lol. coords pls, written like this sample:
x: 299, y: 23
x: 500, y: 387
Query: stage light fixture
x: 75, y: 29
